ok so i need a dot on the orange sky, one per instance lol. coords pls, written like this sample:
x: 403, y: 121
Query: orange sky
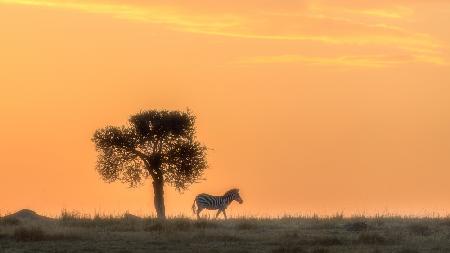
x: 309, y: 106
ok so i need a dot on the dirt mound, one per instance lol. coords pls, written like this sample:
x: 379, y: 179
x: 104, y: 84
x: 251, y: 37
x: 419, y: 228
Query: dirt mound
x: 27, y: 215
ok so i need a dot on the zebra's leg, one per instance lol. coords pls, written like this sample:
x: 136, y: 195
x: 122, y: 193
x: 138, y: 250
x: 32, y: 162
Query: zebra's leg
x: 224, y: 214
x: 218, y: 212
x: 198, y: 212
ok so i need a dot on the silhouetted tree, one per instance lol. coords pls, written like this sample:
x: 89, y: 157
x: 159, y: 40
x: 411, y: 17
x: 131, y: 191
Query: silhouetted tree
x: 157, y: 144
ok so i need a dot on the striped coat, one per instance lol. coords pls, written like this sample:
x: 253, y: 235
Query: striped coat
x: 220, y: 203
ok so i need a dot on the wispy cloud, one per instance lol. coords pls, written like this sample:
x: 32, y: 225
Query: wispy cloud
x: 157, y: 14
x: 396, y: 13
x: 365, y: 61
x: 389, y: 12
x: 317, y: 24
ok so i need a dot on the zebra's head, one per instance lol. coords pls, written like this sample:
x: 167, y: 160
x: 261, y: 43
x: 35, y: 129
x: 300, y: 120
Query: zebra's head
x: 234, y: 194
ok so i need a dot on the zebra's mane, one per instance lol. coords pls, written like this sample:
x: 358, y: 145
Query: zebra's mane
x: 234, y: 190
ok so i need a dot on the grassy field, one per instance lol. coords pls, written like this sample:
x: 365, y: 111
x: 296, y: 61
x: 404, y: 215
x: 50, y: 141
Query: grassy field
x: 75, y: 233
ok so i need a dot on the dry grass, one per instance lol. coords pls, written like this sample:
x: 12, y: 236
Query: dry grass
x: 73, y: 232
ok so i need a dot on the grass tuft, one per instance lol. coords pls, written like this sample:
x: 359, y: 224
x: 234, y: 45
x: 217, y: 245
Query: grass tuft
x: 246, y: 225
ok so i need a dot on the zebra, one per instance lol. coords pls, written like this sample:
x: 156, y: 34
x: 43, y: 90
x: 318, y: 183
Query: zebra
x: 206, y: 201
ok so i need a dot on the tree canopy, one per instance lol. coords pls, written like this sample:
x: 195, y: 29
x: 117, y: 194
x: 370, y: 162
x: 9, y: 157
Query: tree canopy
x: 159, y: 144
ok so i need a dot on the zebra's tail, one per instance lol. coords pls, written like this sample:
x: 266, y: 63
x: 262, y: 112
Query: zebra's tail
x: 193, y: 205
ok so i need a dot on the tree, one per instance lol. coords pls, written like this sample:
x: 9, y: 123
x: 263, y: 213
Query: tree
x: 158, y: 144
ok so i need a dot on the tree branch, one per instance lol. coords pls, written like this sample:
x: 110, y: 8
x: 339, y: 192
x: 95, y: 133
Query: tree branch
x: 144, y: 158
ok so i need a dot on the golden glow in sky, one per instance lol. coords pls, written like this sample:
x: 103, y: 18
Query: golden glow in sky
x: 314, y: 22
x: 309, y: 106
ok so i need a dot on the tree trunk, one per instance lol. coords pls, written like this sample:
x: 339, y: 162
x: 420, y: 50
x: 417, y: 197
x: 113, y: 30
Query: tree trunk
x: 158, y: 189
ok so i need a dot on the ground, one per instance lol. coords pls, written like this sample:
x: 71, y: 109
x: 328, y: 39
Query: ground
x: 128, y: 233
